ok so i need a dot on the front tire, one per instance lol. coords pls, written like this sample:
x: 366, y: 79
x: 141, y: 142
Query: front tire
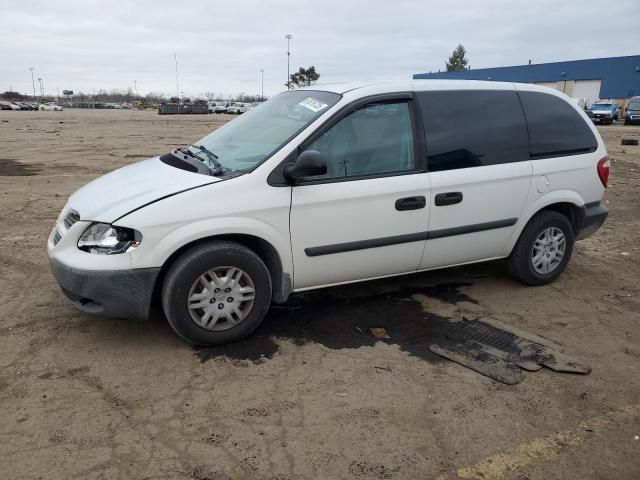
x: 216, y: 293
x: 543, y: 249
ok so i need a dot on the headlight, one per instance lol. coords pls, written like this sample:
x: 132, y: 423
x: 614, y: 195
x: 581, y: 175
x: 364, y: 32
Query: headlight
x: 106, y: 239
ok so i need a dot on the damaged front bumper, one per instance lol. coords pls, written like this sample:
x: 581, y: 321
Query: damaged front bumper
x: 112, y: 293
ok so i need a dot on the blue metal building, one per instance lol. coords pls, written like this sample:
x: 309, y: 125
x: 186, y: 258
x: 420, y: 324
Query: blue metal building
x: 614, y: 77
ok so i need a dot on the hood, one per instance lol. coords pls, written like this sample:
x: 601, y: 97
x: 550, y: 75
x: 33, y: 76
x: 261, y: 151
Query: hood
x: 115, y: 194
x: 602, y: 108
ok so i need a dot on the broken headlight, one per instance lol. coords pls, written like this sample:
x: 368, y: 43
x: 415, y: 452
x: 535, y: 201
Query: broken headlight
x: 106, y: 239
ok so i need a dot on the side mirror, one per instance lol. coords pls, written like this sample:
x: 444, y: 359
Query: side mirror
x: 310, y: 163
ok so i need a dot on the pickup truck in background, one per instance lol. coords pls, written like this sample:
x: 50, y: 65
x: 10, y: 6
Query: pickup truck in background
x: 604, y: 112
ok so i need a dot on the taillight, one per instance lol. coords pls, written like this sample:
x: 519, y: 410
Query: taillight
x: 603, y: 170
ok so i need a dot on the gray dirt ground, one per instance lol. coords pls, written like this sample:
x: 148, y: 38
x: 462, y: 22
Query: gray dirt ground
x: 311, y: 394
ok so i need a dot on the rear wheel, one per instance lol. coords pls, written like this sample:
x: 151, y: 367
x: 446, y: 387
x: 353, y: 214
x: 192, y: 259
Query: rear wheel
x: 543, y: 249
x: 216, y: 293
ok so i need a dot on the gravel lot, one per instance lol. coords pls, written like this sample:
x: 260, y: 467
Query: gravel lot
x: 311, y: 394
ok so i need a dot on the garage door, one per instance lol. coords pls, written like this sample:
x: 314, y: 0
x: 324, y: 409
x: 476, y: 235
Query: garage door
x: 564, y: 86
x: 587, y: 89
x: 550, y: 85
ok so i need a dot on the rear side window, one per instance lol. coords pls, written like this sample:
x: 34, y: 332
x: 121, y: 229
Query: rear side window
x: 473, y: 128
x: 555, y: 127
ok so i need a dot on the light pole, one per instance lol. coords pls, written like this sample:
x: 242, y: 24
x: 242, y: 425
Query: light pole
x: 175, y: 56
x: 33, y: 84
x: 262, y: 84
x: 288, y: 36
x: 40, y: 83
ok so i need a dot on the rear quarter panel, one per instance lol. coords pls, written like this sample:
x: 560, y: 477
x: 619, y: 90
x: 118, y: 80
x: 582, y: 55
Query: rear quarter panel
x: 566, y: 179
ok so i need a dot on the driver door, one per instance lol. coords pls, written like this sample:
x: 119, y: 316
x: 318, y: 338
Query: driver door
x: 367, y: 216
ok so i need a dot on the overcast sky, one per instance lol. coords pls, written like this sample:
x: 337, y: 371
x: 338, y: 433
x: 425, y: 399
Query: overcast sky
x: 222, y: 45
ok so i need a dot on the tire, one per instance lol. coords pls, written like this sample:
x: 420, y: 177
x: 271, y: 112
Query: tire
x: 520, y: 262
x: 189, y: 269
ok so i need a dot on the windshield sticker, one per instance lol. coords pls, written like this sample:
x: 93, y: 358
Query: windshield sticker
x: 312, y: 104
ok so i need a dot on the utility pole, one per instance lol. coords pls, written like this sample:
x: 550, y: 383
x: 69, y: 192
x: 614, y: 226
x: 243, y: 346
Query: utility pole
x: 175, y: 56
x: 135, y: 87
x: 40, y: 83
x: 262, y: 84
x: 288, y: 36
x: 33, y: 84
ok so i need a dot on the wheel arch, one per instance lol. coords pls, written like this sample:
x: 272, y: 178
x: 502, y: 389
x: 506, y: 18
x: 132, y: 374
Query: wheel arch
x: 568, y: 203
x: 280, y: 280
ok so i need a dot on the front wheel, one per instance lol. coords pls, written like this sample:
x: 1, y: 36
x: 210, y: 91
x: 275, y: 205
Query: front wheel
x: 543, y: 249
x: 216, y: 293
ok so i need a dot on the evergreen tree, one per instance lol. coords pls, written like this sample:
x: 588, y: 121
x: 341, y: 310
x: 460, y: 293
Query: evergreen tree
x: 457, y: 61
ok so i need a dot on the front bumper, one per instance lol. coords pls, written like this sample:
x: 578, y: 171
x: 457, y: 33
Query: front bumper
x: 589, y: 219
x: 602, y: 117
x: 112, y: 293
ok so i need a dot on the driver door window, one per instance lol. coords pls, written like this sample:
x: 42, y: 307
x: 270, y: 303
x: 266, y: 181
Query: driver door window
x: 376, y: 139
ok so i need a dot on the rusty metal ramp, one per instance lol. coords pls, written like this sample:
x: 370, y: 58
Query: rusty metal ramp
x: 501, y: 352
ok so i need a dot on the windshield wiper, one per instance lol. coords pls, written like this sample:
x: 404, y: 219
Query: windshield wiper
x: 213, y: 158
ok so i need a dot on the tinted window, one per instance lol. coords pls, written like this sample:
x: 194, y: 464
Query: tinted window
x: 473, y: 128
x: 555, y: 127
x: 375, y: 139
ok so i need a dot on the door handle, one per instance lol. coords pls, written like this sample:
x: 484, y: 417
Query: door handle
x: 411, y: 203
x: 449, y: 198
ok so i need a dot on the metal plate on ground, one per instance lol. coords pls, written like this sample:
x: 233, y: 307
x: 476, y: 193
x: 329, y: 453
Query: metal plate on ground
x: 501, y: 354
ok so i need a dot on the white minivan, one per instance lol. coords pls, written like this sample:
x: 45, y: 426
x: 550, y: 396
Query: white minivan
x: 328, y: 185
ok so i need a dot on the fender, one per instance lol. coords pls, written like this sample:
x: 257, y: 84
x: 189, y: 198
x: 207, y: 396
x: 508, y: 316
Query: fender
x: 190, y: 232
x: 549, y: 198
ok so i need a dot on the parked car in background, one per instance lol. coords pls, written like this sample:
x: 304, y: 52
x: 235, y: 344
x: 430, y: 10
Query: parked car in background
x: 5, y: 106
x: 51, y: 107
x: 632, y: 111
x: 604, y: 112
x: 365, y: 181
x: 14, y: 106
x: 237, y: 108
x: 221, y: 107
x: 215, y: 104
x: 24, y: 106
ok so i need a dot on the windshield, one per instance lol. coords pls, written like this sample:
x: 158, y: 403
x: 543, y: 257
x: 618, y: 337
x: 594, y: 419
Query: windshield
x: 634, y: 106
x: 603, y: 106
x: 243, y: 143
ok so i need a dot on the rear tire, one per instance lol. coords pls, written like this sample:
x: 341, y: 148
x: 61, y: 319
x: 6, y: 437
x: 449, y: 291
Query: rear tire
x: 184, y: 281
x: 543, y: 249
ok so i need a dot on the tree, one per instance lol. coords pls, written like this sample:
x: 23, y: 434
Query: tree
x: 457, y: 61
x: 304, y: 77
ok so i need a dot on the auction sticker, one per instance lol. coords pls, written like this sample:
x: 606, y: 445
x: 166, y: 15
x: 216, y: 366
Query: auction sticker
x: 313, y: 104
